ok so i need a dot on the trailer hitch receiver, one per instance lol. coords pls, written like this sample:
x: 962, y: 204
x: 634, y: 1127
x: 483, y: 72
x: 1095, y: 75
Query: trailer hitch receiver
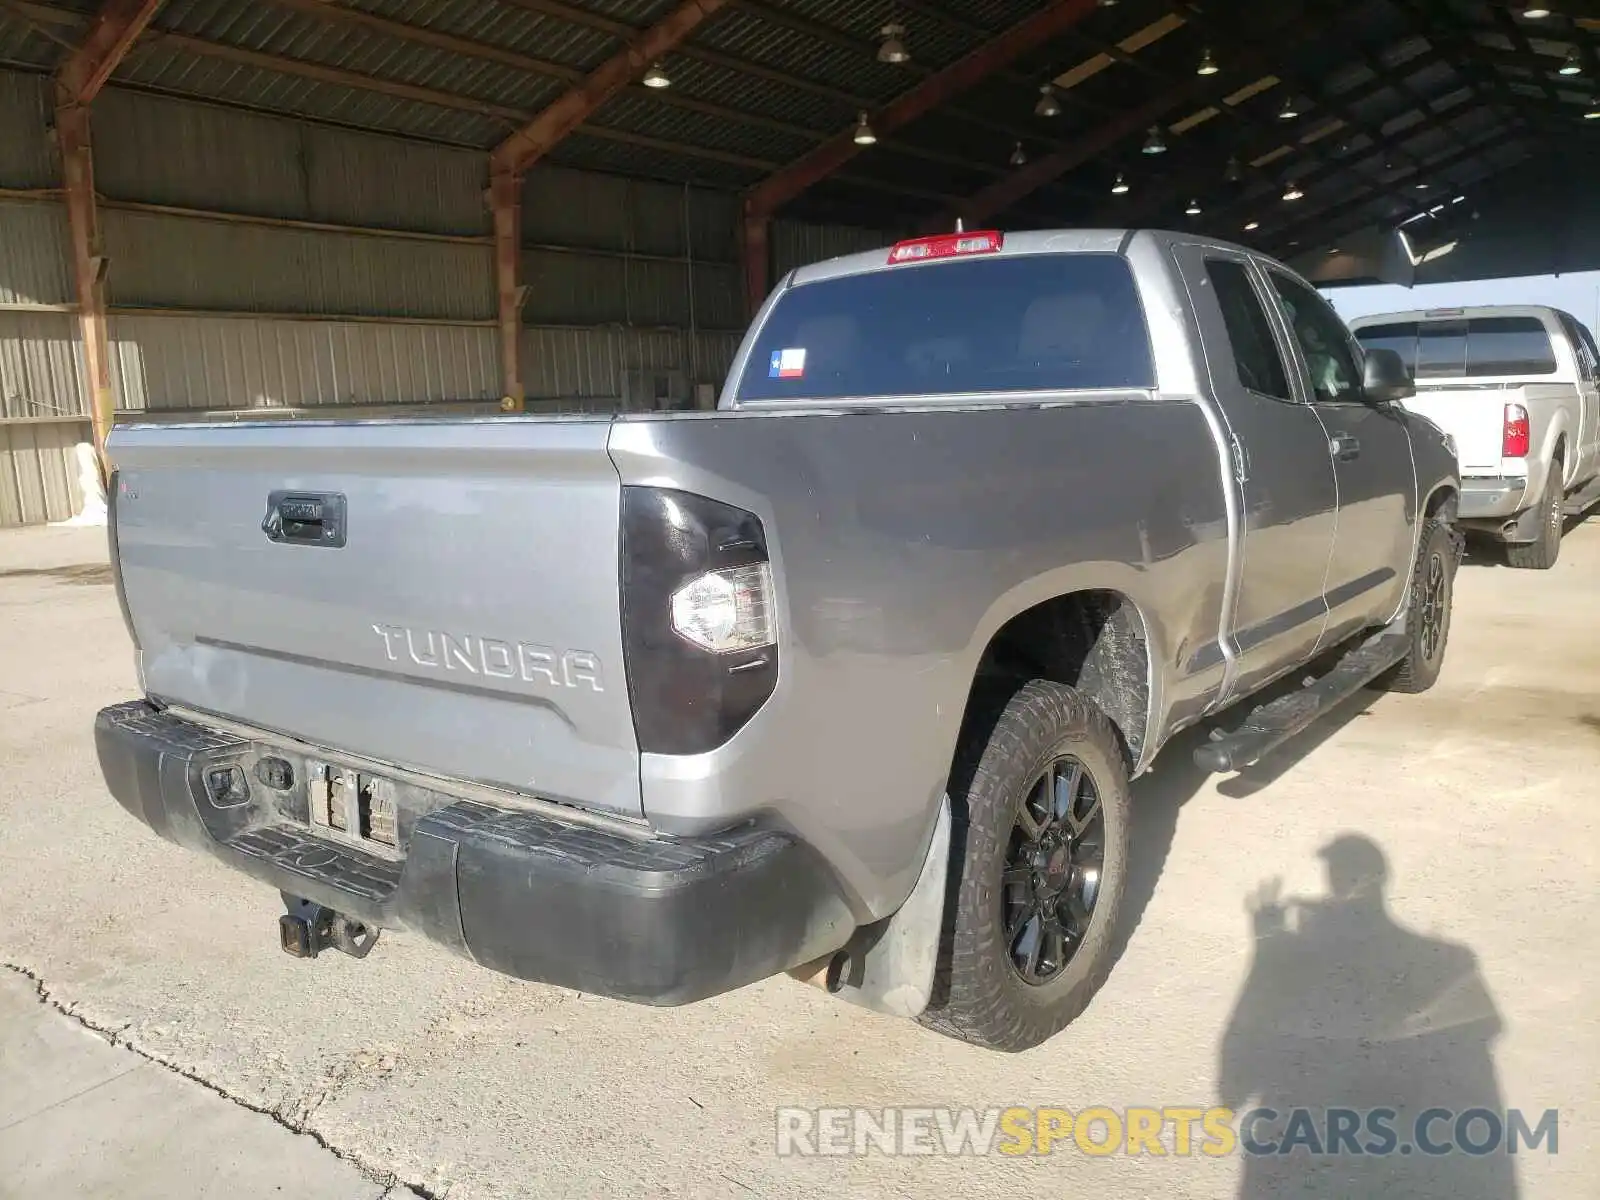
x: 309, y: 928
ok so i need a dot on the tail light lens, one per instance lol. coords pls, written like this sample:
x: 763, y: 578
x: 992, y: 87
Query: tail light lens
x: 699, y: 626
x: 1514, y: 440
x: 726, y: 610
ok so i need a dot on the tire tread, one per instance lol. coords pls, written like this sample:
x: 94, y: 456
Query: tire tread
x: 1414, y: 674
x: 973, y: 992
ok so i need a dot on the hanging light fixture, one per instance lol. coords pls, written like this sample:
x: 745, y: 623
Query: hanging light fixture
x: 1155, y: 143
x: 1208, y: 64
x: 1194, y: 208
x: 1250, y: 226
x: 1120, y: 187
x: 1019, y: 156
x: 1535, y: 12
x: 863, y: 135
x: 1572, y: 64
x: 1233, y: 172
x: 1290, y: 109
x: 656, y: 77
x: 1291, y: 191
x: 893, y: 50
x: 1048, y: 105
x: 1593, y: 114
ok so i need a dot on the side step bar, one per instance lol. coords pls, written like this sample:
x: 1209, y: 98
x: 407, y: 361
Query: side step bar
x: 1580, y: 502
x: 1270, y: 725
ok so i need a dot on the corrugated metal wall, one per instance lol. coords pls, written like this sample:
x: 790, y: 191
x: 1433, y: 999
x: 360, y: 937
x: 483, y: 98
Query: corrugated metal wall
x: 655, y: 266
x: 41, y: 365
x: 177, y: 152
x: 38, y: 481
x: 164, y: 261
x: 34, y: 254
x: 589, y: 369
x: 26, y: 158
x: 797, y: 244
x: 265, y: 263
x: 204, y: 362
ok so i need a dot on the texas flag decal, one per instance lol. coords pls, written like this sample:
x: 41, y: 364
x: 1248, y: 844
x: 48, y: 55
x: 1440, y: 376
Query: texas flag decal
x: 787, y: 364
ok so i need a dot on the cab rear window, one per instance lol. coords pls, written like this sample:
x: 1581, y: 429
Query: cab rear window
x: 1466, y: 349
x: 998, y: 324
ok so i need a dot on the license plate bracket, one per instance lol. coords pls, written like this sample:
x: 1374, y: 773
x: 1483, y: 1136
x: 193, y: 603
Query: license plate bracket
x: 354, y: 805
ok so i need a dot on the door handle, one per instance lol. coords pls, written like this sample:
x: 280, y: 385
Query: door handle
x: 1344, y: 447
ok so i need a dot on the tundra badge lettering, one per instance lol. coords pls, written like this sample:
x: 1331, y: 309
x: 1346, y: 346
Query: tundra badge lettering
x: 491, y: 657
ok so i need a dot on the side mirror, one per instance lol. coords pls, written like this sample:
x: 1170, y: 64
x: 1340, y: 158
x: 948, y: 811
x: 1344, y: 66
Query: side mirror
x: 1385, y: 379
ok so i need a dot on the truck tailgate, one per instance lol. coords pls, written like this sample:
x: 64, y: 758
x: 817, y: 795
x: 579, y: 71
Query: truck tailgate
x: 464, y: 621
x: 1474, y: 416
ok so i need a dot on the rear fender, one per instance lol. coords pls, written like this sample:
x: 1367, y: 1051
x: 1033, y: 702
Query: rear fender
x: 1100, y: 577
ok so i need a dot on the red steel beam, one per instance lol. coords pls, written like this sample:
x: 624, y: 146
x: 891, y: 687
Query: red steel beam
x: 756, y: 250
x: 779, y: 188
x: 535, y: 139
x: 116, y: 27
x: 936, y: 89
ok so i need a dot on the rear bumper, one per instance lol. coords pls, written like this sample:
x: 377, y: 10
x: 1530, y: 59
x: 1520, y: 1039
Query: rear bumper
x: 1487, y: 498
x: 589, y: 907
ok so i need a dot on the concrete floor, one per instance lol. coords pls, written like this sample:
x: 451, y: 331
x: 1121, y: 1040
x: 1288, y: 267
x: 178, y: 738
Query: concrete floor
x: 83, y: 1118
x: 1477, y: 983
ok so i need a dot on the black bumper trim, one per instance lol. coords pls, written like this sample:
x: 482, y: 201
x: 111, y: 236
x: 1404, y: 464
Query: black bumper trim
x: 653, y: 920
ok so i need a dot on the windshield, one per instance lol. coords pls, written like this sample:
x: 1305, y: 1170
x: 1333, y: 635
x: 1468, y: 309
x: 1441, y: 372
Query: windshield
x: 1466, y: 349
x: 998, y: 324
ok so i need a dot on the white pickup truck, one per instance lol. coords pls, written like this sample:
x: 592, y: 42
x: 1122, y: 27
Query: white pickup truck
x: 1515, y: 386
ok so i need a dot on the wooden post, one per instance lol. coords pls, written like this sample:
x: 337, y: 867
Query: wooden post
x: 505, y: 201
x: 79, y: 79
x: 756, y: 246
x: 88, y: 268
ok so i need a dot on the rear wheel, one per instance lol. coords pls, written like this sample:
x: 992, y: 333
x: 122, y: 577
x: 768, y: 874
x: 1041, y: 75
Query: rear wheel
x: 1428, y: 618
x: 1039, y: 863
x: 1541, y: 555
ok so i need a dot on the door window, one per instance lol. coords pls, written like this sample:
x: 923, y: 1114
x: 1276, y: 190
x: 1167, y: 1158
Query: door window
x: 1324, y: 341
x: 1255, y: 350
x: 1587, y: 339
x: 1582, y: 350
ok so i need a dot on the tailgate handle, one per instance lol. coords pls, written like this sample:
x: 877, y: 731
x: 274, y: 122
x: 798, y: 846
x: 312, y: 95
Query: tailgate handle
x: 305, y: 519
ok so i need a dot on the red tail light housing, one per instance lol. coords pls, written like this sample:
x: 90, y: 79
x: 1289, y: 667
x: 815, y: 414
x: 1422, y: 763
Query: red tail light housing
x: 947, y: 245
x: 1514, y: 439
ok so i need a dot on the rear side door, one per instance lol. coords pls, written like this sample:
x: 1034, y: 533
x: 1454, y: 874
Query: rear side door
x: 1282, y: 472
x: 1371, y: 452
x: 1588, y: 359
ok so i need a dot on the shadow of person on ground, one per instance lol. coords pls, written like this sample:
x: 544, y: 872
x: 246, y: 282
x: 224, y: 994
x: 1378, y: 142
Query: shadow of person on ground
x: 1346, y: 1009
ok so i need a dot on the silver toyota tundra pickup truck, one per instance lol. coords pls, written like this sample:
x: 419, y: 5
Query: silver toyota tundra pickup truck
x: 847, y: 679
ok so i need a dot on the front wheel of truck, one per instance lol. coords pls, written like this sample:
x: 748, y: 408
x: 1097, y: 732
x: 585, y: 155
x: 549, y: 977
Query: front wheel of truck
x: 1428, y: 619
x: 1039, y: 848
